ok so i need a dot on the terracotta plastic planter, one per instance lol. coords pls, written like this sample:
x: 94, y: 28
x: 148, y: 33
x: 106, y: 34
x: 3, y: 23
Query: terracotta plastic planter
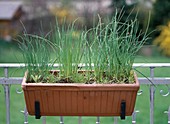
x: 75, y: 99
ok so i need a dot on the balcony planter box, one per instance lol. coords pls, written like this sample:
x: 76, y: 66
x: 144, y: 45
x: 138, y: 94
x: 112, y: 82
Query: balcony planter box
x: 75, y: 99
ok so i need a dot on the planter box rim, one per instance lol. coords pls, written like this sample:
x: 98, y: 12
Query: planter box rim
x: 80, y: 85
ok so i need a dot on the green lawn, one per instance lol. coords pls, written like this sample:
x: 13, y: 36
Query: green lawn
x: 9, y: 53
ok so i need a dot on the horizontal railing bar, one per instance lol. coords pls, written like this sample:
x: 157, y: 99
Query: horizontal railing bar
x: 12, y: 80
x: 146, y: 65
x: 11, y: 65
x: 157, y: 81
x: 142, y: 65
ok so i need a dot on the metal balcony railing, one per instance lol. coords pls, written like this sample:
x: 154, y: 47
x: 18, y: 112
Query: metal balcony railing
x: 7, y: 81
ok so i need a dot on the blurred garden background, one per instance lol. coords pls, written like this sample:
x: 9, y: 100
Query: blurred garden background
x: 38, y: 16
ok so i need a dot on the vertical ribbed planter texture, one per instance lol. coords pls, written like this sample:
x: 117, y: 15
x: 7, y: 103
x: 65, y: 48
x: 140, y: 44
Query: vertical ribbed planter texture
x: 77, y: 99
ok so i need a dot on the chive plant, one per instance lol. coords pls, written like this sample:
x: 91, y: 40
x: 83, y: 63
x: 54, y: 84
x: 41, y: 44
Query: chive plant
x: 70, y: 47
x: 108, y: 50
x: 112, y: 49
x: 36, y: 55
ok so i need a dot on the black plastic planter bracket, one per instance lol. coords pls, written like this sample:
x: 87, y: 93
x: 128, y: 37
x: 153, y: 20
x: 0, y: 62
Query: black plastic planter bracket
x: 37, y: 110
x: 123, y: 110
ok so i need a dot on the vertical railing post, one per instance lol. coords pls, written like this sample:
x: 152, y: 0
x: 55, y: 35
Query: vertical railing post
x: 98, y: 120
x: 25, y: 112
x: 61, y: 120
x: 168, y: 113
x: 152, y: 95
x: 115, y: 120
x: 134, y: 117
x: 7, y: 96
x: 80, y: 120
x: 44, y: 119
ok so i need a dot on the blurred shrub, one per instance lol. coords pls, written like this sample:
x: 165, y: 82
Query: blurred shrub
x: 163, y: 40
x: 160, y: 15
x: 63, y: 13
x: 129, y: 10
x: 161, y: 12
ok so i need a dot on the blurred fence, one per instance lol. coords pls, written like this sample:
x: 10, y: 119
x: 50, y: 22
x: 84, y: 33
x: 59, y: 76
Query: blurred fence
x: 7, y: 81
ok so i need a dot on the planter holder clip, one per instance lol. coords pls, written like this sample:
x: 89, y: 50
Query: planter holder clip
x: 37, y: 110
x: 123, y: 110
